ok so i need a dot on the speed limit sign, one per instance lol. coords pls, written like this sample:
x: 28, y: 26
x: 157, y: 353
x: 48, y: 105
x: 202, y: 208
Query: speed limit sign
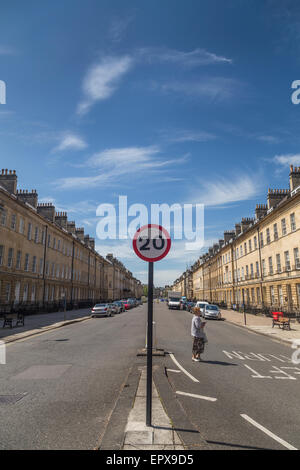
x: 151, y: 242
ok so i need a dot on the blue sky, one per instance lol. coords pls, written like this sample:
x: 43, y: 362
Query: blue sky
x: 162, y: 101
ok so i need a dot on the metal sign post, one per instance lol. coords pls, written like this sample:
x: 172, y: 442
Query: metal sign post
x: 151, y: 243
x: 149, y: 345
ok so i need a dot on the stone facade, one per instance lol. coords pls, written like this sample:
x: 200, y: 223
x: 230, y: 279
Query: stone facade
x: 45, y: 259
x: 258, y: 263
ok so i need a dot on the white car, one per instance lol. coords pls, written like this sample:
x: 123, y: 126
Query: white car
x: 212, y: 312
x: 102, y: 310
x: 201, y: 304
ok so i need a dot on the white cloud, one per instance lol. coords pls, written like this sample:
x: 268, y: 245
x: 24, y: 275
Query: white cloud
x: 221, y: 191
x: 102, y: 79
x: 190, y: 136
x: 287, y: 159
x: 70, y: 141
x: 213, y: 88
x: 116, y: 163
x: 194, y: 58
x: 269, y: 139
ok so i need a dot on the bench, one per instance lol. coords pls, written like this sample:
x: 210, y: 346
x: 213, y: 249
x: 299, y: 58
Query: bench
x: 280, y: 320
x: 8, y: 319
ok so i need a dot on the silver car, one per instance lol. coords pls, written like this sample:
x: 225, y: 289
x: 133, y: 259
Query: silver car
x: 211, y: 312
x: 102, y: 310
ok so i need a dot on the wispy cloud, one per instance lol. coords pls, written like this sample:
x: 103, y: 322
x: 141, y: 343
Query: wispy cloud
x: 221, y: 191
x: 197, y: 57
x: 70, y: 141
x: 112, y: 165
x: 118, y: 27
x: 269, y: 139
x: 189, y: 136
x: 287, y: 159
x: 102, y: 80
x: 213, y: 88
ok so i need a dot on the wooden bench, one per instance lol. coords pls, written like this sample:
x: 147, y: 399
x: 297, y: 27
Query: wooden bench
x: 280, y: 320
x: 8, y: 319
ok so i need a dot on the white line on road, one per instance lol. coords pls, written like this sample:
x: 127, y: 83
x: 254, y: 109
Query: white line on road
x: 183, y: 370
x: 193, y: 395
x: 173, y: 370
x: 269, y: 433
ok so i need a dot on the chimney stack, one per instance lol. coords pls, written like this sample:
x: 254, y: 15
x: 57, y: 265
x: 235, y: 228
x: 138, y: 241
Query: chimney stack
x: 260, y: 211
x: 228, y: 235
x: 8, y: 180
x: 79, y: 232
x: 61, y: 219
x: 245, y: 223
x: 31, y: 198
x: 275, y: 196
x: 294, y: 177
x: 238, y: 229
x: 71, y: 226
x: 46, y: 210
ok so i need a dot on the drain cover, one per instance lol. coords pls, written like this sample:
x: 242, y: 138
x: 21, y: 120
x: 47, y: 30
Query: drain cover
x: 11, y: 399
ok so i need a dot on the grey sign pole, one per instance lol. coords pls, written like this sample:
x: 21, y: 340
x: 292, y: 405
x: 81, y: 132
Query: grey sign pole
x: 149, y: 345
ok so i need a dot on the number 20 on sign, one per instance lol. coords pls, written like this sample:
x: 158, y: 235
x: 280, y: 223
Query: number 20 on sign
x: 151, y: 243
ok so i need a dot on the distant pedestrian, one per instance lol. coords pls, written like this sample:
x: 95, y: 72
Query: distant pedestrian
x: 197, y: 331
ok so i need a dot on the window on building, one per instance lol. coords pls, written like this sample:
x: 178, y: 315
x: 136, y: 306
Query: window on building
x: 33, y: 290
x: 36, y: 235
x: 25, y: 293
x: 3, y: 216
x: 293, y: 222
x: 241, y: 250
x: 13, y: 222
x: 296, y: 258
x: 1, y: 254
x: 251, y: 270
x: 29, y: 231
x: 283, y: 227
x: 275, y: 232
x: 21, y: 226
x: 261, y: 239
x: 58, y: 245
x: 7, y: 292
x: 243, y: 274
x: 49, y: 240
x: 247, y: 272
x: 52, y: 269
x: 18, y: 260
x: 287, y: 260
x: 34, y: 264
x: 272, y: 295
x: 268, y: 235
x: 26, y: 264
x: 255, y: 242
x: 41, y: 266
x: 245, y: 248
x: 250, y: 246
x: 43, y: 237
x: 47, y: 268
x: 10, y: 257
x: 54, y: 243
x: 280, y: 295
x: 270, y: 265
x: 278, y: 263
x: 258, y: 295
x: 264, y: 267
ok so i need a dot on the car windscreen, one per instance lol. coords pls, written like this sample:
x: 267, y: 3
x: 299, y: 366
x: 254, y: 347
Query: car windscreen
x: 100, y: 305
x: 212, y: 307
x: 174, y: 299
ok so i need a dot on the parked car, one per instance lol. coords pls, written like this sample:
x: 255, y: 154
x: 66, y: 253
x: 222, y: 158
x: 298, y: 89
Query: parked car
x: 132, y: 302
x: 212, y: 311
x: 102, y: 310
x: 201, y: 304
x: 119, y: 306
x: 127, y: 306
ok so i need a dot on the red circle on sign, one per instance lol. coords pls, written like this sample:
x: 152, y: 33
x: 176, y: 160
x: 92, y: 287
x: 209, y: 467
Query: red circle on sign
x: 146, y: 227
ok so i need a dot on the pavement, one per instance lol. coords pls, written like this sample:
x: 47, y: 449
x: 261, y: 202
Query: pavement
x: 42, y: 322
x: 263, y: 325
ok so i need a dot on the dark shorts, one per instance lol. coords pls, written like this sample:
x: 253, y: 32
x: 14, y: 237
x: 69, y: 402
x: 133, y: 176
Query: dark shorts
x: 198, y: 345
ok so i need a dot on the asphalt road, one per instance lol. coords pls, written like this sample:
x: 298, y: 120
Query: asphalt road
x: 58, y: 389
x: 248, y: 374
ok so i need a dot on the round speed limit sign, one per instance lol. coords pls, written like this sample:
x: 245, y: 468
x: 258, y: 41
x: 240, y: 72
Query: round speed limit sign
x: 151, y: 242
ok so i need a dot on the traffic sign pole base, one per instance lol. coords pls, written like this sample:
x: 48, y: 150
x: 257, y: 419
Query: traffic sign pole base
x: 155, y: 352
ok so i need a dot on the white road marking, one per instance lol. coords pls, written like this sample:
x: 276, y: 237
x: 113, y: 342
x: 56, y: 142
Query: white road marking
x: 193, y: 395
x: 173, y: 370
x: 183, y: 370
x: 269, y: 433
x: 257, y: 375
